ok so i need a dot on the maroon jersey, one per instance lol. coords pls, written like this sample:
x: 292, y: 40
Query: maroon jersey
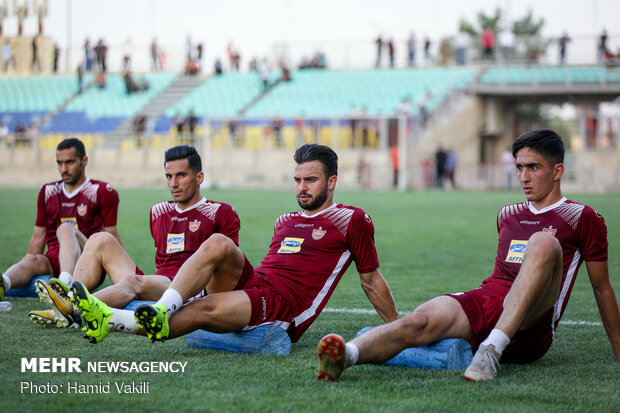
x: 309, y: 254
x: 178, y: 234
x: 91, y: 207
x: 580, y: 230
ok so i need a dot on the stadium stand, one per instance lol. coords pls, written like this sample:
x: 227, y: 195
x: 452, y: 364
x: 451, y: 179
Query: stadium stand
x: 101, y: 110
x: 332, y: 93
x: 551, y: 74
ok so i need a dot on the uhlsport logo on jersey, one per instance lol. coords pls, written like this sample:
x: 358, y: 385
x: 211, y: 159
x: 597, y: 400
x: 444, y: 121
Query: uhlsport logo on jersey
x: 71, y: 220
x: 176, y: 243
x: 317, y: 234
x: 82, y: 209
x: 290, y: 245
x: 515, y: 251
x: 194, y: 225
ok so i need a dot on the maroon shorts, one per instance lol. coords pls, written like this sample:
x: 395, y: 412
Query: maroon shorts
x: 268, y: 306
x: 483, y: 307
x: 52, y: 257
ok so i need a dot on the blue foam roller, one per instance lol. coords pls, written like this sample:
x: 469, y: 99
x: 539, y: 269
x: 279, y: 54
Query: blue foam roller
x: 135, y: 303
x: 266, y: 339
x: 27, y: 290
x: 447, y: 354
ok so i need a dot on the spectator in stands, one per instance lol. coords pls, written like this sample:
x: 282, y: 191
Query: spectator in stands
x: 487, y: 41
x: 7, y: 55
x: 80, y: 76
x: 127, y: 53
x: 55, y: 56
x: 506, y: 41
x: 218, y: 66
x: 101, y: 51
x: 32, y: 133
x: 428, y: 59
x: 132, y: 86
x: 508, y: 167
x: 440, y: 167
x: 139, y: 127
x: 199, y: 50
x: 319, y: 61
x: 276, y: 127
x: 263, y: 72
x: 89, y: 54
x: 395, y: 158
x: 411, y: 49
x: 100, y: 80
x: 446, y: 52
x: 563, y: 43
x: 602, y: 46
x: 191, y: 121
x: 19, y: 132
x: 461, y: 43
x: 4, y: 133
x: 154, y: 55
x: 451, y: 162
x: 390, y: 46
x: 36, y: 63
x: 379, y: 44
x: 179, y: 122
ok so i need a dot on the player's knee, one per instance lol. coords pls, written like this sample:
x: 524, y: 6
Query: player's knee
x: 543, y: 244
x: 217, y: 245
x: 412, y: 325
x: 65, y: 230
x: 204, y: 309
x: 99, y: 240
x: 35, y: 263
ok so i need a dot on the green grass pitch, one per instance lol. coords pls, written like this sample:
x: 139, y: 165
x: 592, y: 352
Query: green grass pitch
x: 428, y: 242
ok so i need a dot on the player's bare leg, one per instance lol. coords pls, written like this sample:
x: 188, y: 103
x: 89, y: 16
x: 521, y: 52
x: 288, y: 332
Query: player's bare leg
x: 134, y: 287
x: 216, y: 267
x: 219, y: 313
x: 70, y: 241
x: 28, y: 267
x: 102, y: 253
x: 432, y: 321
x: 533, y: 293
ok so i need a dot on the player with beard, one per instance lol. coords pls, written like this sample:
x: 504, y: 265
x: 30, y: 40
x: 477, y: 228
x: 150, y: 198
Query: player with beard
x: 513, y: 315
x: 69, y: 211
x: 309, y: 253
x: 178, y: 229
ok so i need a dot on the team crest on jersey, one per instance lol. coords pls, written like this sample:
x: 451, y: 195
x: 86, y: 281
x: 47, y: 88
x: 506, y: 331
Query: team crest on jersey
x: 176, y: 243
x: 550, y: 230
x: 290, y: 245
x: 516, y: 251
x: 194, y: 225
x: 82, y: 209
x: 317, y: 234
x: 70, y: 220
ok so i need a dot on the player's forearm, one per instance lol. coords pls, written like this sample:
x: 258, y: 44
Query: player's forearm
x: 610, y: 316
x: 36, y: 244
x: 114, y: 232
x: 380, y: 296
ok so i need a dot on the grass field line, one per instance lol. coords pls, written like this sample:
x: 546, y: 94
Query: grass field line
x: 367, y: 311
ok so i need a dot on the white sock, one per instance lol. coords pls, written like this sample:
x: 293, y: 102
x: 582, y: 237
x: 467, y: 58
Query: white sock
x: 499, y: 340
x: 350, y: 355
x: 172, y: 300
x: 123, y: 321
x: 7, y: 281
x: 65, y: 277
